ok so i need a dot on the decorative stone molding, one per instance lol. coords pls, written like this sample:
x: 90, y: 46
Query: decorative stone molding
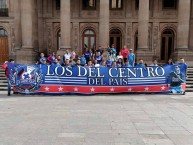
x: 75, y: 41
x: 129, y: 35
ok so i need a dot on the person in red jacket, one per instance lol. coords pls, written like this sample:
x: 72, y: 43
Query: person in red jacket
x: 124, y: 52
x: 5, y: 66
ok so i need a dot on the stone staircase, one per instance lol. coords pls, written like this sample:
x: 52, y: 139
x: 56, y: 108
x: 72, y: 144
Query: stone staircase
x: 189, y: 81
x: 3, y: 81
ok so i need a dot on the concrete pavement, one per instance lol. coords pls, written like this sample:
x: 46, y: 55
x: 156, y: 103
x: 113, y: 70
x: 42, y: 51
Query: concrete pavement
x: 97, y: 120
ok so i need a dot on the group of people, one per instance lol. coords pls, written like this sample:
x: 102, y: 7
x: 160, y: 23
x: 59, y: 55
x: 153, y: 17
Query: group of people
x: 99, y: 58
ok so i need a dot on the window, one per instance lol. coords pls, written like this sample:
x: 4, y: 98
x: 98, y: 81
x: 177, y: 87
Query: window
x: 3, y: 33
x: 137, y: 4
x: 3, y: 8
x: 89, y: 39
x: 169, y: 4
x: 89, y: 4
x: 57, y: 4
x: 115, y: 4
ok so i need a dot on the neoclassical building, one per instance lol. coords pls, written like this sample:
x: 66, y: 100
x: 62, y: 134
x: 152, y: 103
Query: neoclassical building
x: 153, y: 28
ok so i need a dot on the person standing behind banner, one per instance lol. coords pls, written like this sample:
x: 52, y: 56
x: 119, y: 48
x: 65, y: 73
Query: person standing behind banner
x: 154, y: 63
x: 183, y: 65
x: 169, y: 62
x: 113, y: 49
x: 131, y: 57
x: 66, y: 56
x: 41, y: 57
x: 119, y: 56
x: 87, y: 54
x: 141, y: 64
x: 127, y: 64
x: 100, y: 50
x: 124, y: 52
x: 5, y: 66
x: 82, y: 60
x: 51, y: 58
x: 109, y: 62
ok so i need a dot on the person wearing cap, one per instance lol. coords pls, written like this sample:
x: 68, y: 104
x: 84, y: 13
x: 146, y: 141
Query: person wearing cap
x: 131, y: 57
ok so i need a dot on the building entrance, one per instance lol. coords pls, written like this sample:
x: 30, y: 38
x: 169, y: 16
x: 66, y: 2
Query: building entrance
x: 116, y: 39
x: 4, y: 50
x: 167, y: 45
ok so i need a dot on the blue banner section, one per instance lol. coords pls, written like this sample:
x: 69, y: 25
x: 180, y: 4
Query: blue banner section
x: 31, y: 78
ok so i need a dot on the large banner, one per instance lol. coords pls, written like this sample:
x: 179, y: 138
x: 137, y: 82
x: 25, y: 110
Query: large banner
x: 53, y: 79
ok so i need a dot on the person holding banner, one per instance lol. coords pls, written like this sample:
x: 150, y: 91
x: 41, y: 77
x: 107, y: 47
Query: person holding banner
x: 183, y: 65
x: 170, y: 62
x: 141, y: 64
x: 5, y: 66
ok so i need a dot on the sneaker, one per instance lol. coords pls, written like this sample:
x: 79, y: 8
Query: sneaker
x: 8, y: 94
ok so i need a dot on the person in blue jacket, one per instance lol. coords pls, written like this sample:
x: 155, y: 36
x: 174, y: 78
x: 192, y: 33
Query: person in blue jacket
x: 131, y: 57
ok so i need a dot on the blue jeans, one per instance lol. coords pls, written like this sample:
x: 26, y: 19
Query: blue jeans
x: 176, y: 89
x: 8, y: 86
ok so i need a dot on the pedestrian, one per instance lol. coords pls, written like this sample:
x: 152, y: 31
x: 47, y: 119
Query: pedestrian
x: 5, y: 66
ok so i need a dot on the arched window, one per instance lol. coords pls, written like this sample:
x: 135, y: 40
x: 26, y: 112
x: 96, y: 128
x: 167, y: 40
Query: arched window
x: 89, y: 39
x: 3, y: 8
x: 167, y: 44
x: 3, y: 33
x: 58, y: 40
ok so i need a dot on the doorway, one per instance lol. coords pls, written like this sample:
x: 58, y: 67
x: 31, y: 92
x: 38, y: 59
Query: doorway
x: 4, y: 55
x: 116, y: 39
x: 167, y: 45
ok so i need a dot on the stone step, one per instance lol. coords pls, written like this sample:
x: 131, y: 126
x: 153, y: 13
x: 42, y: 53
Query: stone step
x: 189, y: 90
x: 3, y: 88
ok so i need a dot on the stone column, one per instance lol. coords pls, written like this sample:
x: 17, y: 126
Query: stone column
x: 183, y: 24
x: 26, y: 23
x: 143, y: 24
x: 182, y: 49
x: 65, y: 20
x: 28, y: 13
x: 104, y: 23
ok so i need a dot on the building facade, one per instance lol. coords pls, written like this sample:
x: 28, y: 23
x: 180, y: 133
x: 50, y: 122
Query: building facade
x: 159, y: 29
